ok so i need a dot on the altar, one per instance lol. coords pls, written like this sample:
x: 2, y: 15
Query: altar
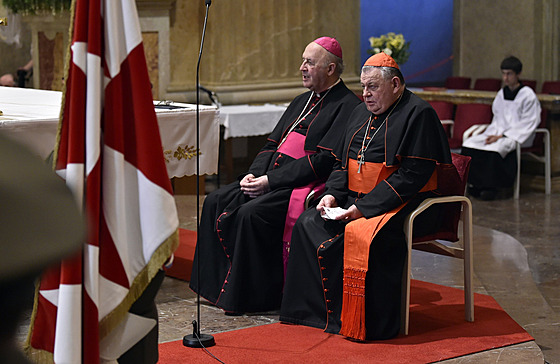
x: 31, y: 116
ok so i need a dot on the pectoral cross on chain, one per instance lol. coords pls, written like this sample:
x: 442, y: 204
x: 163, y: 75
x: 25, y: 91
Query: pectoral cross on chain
x: 360, y: 162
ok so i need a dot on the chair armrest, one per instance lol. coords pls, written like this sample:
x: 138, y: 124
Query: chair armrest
x: 474, y: 130
x: 310, y: 197
x: 450, y: 123
x: 545, y: 131
x: 424, y: 205
x: 546, y: 137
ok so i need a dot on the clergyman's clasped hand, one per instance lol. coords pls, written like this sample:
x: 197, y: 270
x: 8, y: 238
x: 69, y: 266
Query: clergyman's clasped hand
x: 254, y: 186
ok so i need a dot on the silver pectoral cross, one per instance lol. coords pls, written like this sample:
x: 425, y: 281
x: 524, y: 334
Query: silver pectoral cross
x: 360, y: 162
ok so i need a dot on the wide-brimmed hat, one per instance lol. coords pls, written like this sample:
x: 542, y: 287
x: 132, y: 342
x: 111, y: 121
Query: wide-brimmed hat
x: 40, y: 222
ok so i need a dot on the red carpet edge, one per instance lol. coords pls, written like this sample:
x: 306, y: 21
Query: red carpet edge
x: 438, y: 331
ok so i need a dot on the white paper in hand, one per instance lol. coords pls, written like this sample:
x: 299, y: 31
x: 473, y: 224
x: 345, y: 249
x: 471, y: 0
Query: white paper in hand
x: 332, y: 213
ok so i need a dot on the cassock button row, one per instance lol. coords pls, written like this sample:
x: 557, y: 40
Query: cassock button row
x: 223, y: 290
x: 323, y: 268
x: 325, y: 279
x: 328, y: 301
x: 326, y: 290
x: 329, y: 311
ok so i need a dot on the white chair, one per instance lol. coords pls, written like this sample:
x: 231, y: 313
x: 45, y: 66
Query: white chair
x: 543, y: 159
x: 458, y: 208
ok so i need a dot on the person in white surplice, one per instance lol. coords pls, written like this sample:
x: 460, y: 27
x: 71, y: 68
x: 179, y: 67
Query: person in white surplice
x: 517, y: 111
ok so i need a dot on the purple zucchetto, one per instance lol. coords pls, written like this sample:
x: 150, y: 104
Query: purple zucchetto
x: 330, y: 44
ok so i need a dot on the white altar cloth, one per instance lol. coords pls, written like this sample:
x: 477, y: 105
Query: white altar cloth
x: 249, y: 120
x: 31, y: 117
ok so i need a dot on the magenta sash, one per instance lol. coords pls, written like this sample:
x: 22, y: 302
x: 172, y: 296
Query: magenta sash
x: 293, y: 146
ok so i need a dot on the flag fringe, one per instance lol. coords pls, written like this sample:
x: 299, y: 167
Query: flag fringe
x: 37, y: 355
x: 159, y: 257
x: 67, y: 61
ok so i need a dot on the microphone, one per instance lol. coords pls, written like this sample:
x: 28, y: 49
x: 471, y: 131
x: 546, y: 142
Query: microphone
x: 197, y: 339
x: 205, y: 90
x: 212, y: 95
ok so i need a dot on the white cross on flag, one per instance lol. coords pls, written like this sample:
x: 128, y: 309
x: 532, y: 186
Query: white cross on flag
x: 110, y: 154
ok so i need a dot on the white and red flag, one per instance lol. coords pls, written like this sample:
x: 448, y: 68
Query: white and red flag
x: 109, y: 152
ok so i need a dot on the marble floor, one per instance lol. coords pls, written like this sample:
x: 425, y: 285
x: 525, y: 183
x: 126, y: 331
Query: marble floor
x: 516, y: 261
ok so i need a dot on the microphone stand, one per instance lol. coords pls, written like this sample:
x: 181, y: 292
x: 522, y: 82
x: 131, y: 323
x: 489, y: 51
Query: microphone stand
x: 198, y: 340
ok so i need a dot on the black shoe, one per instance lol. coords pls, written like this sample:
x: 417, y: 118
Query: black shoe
x: 488, y: 195
x: 229, y: 313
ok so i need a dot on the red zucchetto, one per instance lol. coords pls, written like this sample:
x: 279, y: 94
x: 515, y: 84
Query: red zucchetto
x: 330, y: 44
x: 381, y: 60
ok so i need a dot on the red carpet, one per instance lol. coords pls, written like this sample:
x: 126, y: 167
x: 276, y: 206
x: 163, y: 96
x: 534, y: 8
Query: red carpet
x: 438, y: 331
x: 183, y: 256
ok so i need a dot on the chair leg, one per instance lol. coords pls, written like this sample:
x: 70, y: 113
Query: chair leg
x: 467, y: 257
x: 468, y: 260
x: 547, y: 173
x: 518, y: 176
x: 405, y: 290
x: 405, y: 302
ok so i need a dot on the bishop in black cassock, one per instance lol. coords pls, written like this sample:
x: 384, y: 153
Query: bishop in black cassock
x: 344, y: 273
x: 240, y: 244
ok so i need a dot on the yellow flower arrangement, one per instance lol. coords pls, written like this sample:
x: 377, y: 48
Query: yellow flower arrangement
x: 391, y: 44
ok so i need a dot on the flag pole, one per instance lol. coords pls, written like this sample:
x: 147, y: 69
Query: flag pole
x: 196, y: 339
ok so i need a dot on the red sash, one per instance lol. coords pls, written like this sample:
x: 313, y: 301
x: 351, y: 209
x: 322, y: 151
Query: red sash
x: 358, y: 236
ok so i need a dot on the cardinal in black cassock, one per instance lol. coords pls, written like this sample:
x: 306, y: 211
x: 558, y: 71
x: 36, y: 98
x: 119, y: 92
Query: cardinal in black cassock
x: 344, y: 273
